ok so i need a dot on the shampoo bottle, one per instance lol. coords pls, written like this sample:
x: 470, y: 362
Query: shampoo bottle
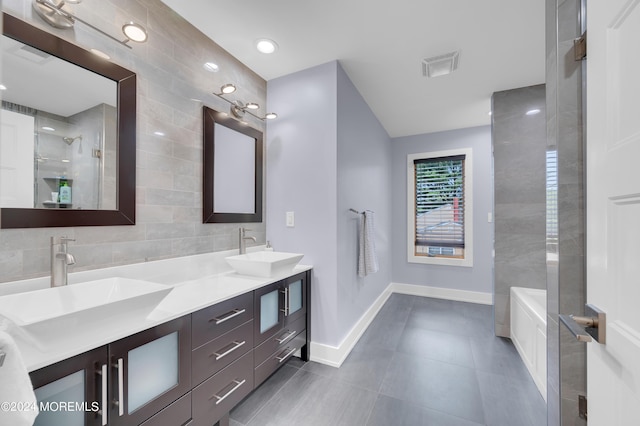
x: 64, y: 192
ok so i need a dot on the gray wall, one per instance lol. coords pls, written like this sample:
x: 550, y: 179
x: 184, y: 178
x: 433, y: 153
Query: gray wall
x: 478, y: 278
x: 169, y: 169
x: 329, y: 154
x: 566, y: 293
x: 519, y: 146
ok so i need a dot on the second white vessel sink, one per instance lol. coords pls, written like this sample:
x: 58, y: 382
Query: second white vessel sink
x: 111, y: 296
x: 264, y: 263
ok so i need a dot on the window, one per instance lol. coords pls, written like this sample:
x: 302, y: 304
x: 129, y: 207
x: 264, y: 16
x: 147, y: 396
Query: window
x: 440, y: 208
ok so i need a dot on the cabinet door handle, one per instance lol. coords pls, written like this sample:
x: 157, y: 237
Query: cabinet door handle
x: 223, y: 397
x: 118, y: 402
x: 286, y: 302
x: 287, y: 337
x: 235, y: 346
x: 103, y: 397
x: 228, y: 316
x: 282, y: 358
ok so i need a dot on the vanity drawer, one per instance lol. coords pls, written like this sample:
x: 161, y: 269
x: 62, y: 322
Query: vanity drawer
x: 216, y: 320
x: 177, y: 413
x: 265, y: 369
x: 219, y: 394
x: 280, y: 340
x: 217, y: 354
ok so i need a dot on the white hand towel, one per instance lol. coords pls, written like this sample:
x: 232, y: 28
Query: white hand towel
x: 367, y: 258
x: 16, y: 390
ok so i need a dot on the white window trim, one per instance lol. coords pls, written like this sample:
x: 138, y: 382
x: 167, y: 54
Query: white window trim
x: 468, y: 209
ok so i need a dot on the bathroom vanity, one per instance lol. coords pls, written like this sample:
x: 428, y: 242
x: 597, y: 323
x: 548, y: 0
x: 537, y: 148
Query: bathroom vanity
x: 212, y: 340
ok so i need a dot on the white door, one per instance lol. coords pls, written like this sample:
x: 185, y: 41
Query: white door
x: 16, y: 159
x: 613, y: 208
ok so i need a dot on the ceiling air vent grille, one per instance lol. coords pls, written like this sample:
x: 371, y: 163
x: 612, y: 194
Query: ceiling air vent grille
x: 440, y: 65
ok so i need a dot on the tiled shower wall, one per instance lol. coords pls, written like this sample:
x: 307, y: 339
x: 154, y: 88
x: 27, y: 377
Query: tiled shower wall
x: 566, y: 292
x: 172, y: 87
x: 519, y: 177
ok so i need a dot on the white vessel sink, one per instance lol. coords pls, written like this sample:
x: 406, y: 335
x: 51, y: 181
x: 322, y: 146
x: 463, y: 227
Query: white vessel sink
x: 264, y: 263
x: 103, y: 298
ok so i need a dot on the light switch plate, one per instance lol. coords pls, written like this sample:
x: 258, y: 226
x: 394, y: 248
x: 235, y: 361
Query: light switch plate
x: 291, y: 222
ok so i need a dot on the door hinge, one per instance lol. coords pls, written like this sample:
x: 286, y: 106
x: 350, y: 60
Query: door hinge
x: 582, y: 406
x: 580, y: 47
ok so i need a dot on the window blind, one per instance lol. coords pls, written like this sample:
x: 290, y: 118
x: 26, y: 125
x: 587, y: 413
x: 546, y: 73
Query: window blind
x: 440, y: 201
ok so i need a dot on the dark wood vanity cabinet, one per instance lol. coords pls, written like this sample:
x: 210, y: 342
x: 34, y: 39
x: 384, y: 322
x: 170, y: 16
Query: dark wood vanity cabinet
x: 123, y: 383
x: 281, y: 323
x: 189, y: 371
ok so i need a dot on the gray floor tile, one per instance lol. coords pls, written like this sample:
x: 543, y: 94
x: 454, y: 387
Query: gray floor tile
x: 381, y: 334
x: 445, y: 321
x: 390, y: 411
x: 363, y: 368
x: 245, y: 411
x: 309, y: 399
x: 509, y: 401
x: 441, y: 386
x: 505, y: 362
x: 451, y: 348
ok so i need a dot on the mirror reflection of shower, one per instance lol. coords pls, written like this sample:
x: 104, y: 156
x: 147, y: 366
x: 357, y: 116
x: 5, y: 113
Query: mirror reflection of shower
x: 76, y: 151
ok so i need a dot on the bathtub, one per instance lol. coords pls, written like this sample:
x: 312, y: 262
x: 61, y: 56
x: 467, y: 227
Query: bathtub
x: 529, y: 332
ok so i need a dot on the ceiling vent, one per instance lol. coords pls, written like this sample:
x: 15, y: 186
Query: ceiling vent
x: 440, y: 65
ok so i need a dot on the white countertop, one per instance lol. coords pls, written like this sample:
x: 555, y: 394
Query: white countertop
x: 198, y: 282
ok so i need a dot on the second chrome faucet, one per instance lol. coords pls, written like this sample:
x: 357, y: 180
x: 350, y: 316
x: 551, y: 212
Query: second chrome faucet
x: 242, y: 244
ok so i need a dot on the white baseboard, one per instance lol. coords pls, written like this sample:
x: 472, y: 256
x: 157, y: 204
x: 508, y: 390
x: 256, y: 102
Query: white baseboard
x: 334, y: 356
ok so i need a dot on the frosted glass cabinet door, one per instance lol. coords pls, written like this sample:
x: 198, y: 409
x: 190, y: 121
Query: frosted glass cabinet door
x: 69, y: 393
x: 295, y: 297
x: 269, y: 315
x: 269, y: 310
x: 150, y: 370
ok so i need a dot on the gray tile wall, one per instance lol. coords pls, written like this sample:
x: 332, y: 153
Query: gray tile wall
x: 169, y: 169
x: 519, y: 178
x: 566, y: 293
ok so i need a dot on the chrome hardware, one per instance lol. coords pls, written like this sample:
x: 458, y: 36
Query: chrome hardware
x: 118, y: 402
x: 589, y: 327
x: 242, y: 244
x: 287, y: 337
x: 103, y: 405
x: 228, y: 316
x: 2, y: 357
x: 222, y: 398
x: 286, y: 301
x: 60, y: 261
x: 580, y: 47
x: 236, y: 345
x: 282, y: 358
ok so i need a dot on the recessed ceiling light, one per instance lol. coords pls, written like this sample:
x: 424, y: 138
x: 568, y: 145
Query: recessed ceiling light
x: 533, y: 111
x: 211, y: 67
x: 100, y: 54
x: 264, y: 45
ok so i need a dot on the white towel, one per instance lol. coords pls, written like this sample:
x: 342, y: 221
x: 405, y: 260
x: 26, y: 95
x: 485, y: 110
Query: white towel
x: 367, y: 258
x: 16, y: 390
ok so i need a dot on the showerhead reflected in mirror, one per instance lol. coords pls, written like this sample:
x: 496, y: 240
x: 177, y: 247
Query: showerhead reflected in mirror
x: 68, y: 127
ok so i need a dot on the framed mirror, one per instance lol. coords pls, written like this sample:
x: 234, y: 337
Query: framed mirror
x: 76, y: 115
x: 232, y: 170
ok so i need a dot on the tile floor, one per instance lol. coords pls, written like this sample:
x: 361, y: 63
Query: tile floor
x: 422, y: 361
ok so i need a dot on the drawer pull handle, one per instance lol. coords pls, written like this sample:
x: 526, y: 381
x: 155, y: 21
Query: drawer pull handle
x: 235, y: 344
x: 282, y: 358
x: 233, y: 389
x: 228, y: 316
x: 285, y: 338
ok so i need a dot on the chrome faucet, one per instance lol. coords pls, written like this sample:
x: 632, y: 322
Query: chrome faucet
x: 242, y: 245
x: 60, y: 260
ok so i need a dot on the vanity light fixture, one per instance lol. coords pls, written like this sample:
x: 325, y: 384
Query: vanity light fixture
x: 58, y: 14
x: 238, y: 108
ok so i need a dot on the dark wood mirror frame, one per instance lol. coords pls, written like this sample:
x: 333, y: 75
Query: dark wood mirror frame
x: 126, y: 145
x: 212, y: 117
